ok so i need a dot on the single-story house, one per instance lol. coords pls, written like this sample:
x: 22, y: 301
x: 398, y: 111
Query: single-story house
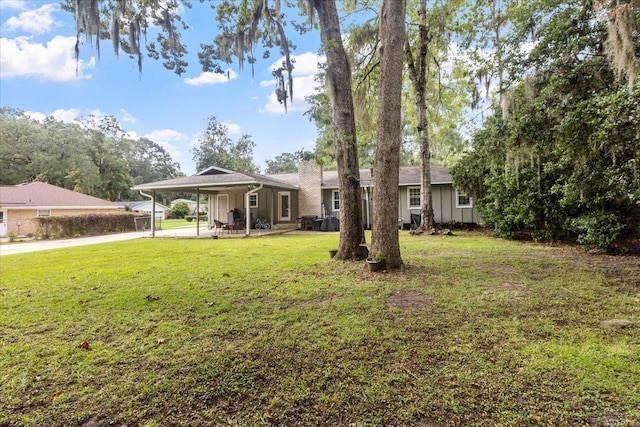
x: 20, y: 204
x: 282, y: 199
x: 146, y: 207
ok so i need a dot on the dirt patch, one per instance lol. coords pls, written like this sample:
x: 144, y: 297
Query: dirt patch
x: 516, y: 289
x: 95, y: 421
x: 408, y: 300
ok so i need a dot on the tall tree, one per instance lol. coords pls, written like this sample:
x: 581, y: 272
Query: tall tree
x: 426, y: 49
x: 241, y: 25
x: 148, y: 161
x: 115, y: 180
x: 384, y: 237
x: 346, y: 151
x: 217, y: 149
x: 418, y: 74
x: 78, y: 156
x: 565, y: 163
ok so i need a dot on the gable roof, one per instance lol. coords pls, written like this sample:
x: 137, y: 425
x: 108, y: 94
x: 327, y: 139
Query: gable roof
x: 219, y: 179
x: 409, y: 175
x: 142, y: 204
x: 41, y: 194
x: 215, y: 179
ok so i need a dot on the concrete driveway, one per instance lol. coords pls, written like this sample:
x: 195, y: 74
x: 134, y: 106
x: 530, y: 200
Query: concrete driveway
x: 187, y: 232
x: 44, y: 245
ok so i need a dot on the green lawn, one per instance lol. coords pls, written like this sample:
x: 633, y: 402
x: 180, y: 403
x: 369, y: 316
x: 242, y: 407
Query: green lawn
x: 270, y: 331
x: 167, y: 224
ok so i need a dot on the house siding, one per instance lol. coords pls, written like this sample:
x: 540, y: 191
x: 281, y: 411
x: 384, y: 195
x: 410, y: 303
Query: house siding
x: 444, y: 205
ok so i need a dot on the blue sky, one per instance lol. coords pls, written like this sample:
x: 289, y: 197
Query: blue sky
x: 38, y: 75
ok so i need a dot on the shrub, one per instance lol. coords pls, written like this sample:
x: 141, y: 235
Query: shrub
x: 192, y: 218
x: 83, y: 225
x: 598, y: 230
x: 180, y: 210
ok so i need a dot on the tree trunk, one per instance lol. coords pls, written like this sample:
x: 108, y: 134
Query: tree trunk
x: 426, y: 196
x: 346, y: 150
x: 418, y: 77
x: 387, y: 160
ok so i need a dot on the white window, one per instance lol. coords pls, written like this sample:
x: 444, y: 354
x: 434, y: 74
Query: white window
x: 336, y: 201
x: 253, y: 200
x: 415, y: 201
x: 44, y: 212
x: 463, y: 200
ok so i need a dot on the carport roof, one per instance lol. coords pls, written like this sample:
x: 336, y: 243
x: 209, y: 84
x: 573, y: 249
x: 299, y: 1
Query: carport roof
x: 215, y: 179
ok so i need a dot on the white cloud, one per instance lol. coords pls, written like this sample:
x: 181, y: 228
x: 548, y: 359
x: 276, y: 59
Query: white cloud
x: 170, y: 139
x: 13, y: 4
x: 209, y: 78
x: 53, y: 61
x: 36, y: 21
x: 67, y: 116
x: 127, y: 117
x: 304, y: 84
x: 232, y: 128
x: 307, y: 64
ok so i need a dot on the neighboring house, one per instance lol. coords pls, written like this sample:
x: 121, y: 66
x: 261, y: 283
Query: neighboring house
x: 193, y: 205
x: 20, y: 204
x: 145, y: 207
x: 283, y: 198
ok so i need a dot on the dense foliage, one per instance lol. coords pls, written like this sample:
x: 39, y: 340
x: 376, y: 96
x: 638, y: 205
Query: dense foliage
x: 564, y: 160
x: 85, y: 225
x: 180, y: 210
x: 96, y: 160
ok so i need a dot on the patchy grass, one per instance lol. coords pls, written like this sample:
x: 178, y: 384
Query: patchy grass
x: 270, y: 331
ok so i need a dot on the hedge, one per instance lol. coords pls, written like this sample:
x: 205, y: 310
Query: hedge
x: 85, y: 225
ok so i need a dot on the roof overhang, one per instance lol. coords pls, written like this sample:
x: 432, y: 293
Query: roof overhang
x: 33, y: 207
x: 212, y: 187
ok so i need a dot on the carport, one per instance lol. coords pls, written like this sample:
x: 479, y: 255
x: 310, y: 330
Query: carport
x: 254, y: 193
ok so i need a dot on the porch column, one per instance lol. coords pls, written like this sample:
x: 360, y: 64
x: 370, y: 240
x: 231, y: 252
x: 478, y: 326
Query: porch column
x: 272, y: 205
x: 247, y: 214
x: 197, y: 211
x: 153, y: 214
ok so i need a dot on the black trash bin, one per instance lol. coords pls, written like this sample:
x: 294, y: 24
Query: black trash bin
x: 330, y: 223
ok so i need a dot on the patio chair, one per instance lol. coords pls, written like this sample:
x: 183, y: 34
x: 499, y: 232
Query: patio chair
x: 218, y: 226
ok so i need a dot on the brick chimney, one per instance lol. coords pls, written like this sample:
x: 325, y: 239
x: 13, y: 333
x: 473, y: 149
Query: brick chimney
x: 310, y: 193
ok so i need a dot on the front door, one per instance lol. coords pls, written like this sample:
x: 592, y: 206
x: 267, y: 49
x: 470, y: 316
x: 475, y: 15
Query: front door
x: 3, y: 223
x: 284, y: 206
x: 223, y: 207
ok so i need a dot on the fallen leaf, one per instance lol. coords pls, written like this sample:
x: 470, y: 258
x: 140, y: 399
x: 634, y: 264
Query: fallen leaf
x: 211, y: 303
x: 160, y: 341
x: 152, y: 298
x: 520, y: 370
x: 84, y: 345
x: 225, y: 274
